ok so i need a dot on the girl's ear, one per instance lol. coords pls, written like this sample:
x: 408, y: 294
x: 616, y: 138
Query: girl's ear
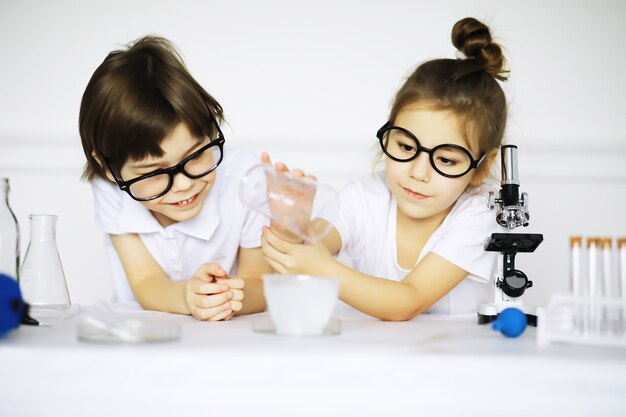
x: 106, y: 170
x: 482, y: 172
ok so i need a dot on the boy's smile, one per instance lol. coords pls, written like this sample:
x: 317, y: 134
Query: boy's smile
x: 185, y: 203
x: 185, y: 198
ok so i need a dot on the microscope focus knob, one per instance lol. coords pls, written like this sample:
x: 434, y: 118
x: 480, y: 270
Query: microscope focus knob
x: 491, y: 201
x: 524, y: 200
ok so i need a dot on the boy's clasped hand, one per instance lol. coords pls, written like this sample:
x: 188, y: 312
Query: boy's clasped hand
x: 211, y: 295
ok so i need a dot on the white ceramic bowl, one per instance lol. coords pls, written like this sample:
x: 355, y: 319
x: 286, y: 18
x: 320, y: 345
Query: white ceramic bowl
x: 300, y: 304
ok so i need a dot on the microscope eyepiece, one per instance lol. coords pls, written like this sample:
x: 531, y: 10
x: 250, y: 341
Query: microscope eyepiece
x: 508, y: 163
x: 510, y: 175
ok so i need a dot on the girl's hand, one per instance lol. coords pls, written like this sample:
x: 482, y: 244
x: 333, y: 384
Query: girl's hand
x: 295, y: 258
x: 208, y: 296
x: 290, y: 201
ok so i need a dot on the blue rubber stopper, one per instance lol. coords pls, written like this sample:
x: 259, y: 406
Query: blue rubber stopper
x: 511, y: 322
x: 11, y: 304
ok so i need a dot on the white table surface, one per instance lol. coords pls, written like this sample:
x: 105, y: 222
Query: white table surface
x: 429, y: 366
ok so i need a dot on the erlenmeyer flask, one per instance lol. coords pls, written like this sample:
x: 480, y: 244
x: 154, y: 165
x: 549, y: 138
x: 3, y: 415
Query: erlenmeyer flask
x: 41, y: 277
x: 289, y: 202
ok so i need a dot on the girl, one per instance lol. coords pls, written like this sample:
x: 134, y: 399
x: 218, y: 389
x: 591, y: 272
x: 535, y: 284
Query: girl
x: 165, y: 188
x: 415, y: 231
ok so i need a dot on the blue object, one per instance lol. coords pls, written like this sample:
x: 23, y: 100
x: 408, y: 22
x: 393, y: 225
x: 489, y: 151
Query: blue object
x: 11, y: 304
x: 511, y: 322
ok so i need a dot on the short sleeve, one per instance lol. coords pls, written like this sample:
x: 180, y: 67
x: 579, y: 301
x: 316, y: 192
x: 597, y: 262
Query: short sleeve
x: 107, y: 205
x: 469, y: 224
x: 346, y: 216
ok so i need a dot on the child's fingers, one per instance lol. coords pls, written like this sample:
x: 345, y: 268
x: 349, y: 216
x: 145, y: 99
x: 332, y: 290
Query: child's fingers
x: 265, y: 158
x: 271, y: 254
x: 214, y: 300
x: 237, y: 283
x: 236, y: 290
x: 222, y: 315
x: 237, y: 295
x: 276, y: 242
x: 211, y: 313
x: 276, y: 266
x: 203, y: 288
x: 281, y: 168
x: 207, y: 272
x: 236, y: 305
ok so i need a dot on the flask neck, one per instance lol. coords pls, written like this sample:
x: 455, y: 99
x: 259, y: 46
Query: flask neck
x: 4, y: 194
x: 42, y: 227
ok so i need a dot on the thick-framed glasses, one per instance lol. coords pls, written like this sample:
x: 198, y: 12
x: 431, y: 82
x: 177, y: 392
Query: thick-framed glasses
x: 157, y: 183
x: 447, y: 159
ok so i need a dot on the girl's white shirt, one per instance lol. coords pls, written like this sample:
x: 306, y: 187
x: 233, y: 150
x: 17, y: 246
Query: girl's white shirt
x: 366, y: 220
x: 215, y: 235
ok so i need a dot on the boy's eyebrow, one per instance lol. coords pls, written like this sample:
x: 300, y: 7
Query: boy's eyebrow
x: 157, y: 163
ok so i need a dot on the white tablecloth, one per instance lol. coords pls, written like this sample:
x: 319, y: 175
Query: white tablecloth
x: 429, y: 366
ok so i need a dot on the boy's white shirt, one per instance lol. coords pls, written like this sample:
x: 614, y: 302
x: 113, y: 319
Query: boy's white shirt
x: 366, y: 220
x: 215, y: 235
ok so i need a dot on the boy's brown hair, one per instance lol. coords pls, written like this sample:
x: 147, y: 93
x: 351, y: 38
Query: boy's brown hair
x: 135, y: 98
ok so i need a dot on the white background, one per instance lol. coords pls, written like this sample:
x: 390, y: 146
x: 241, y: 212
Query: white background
x: 311, y: 82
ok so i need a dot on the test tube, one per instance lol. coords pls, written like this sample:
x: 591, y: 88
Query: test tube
x: 621, y: 246
x: 607, y: 284
x: 575, y: 284
x: 592, y: 281
x: 610, y: 314
x: 593, y: 314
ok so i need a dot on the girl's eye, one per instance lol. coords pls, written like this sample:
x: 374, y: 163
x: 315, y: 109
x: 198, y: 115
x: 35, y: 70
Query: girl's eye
x: 447, y: 161
x: 406, y: 147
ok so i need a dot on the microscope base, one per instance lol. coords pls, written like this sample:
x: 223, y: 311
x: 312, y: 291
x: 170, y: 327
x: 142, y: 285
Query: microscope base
x: 489, y: 312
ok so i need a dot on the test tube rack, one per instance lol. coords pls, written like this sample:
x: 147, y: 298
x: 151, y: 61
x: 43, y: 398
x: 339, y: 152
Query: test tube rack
x: 593, y: 321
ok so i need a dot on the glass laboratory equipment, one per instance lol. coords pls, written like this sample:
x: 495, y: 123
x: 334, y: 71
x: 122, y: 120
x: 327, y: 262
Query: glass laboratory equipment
x: 9, y: 234
x: 41, y: 277
x: 621, y: 266
x: 598, y: 310
x: 289, y: 202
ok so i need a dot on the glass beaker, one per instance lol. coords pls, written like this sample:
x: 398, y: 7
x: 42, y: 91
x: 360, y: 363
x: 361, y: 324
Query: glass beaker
x: 41, y: 277
x: 289, y: 202
x: 9, y: 234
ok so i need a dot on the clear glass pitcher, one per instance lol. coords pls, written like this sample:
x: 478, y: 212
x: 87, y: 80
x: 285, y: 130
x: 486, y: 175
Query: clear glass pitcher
x: 41, y: 277
x: 9, y: 234
x: 289, y: 202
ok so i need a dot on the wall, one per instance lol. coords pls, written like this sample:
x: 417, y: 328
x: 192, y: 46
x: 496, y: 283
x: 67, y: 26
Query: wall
x: 311, y: 82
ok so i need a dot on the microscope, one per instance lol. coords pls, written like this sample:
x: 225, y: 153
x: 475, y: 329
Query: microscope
x: 509, y: 283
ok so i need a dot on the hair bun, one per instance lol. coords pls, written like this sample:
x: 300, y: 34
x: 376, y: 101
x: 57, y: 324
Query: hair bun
x: 473, y: 38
